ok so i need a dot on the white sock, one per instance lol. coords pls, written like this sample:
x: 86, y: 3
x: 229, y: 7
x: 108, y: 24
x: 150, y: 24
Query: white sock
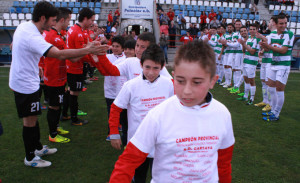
x: 264, y: 92
x: 229, y: 76
x: 247, y: 89
x: 237, y: 77
x: 280, y: 101
x: 252, y: 92
x: 241, y: 80
x: 272, y: 91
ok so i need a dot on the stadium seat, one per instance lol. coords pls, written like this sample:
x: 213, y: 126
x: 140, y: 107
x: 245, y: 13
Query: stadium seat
x: 25, y: 10
x: 13, y: 16
x: 251, y: 17
x: 229, y: 20
x: 185, y: 13
x: 234, y: 10
x: 6, y: 16
x: 21, y: 16
x: 187, y: 2
x: 97, y: 10
x: 200, y: 3
x: 75, y: 10
x: 230, y: 5
x: 189, y: 7
x: 283, y: 7
x: 289, y: 8
x: 84, y: 4
x: 16, y: 4
x: 191, y: 13
x: 98, y: 5
x: 227, y: 10
x: 208, y: 8
x: 271, y: 7
x: 12, y: 10
x: 30, y: 4
x: 31, y: 10
x: 225, y: 4
x: 225, y: 15
x: 294, y: 13
x: 193, y: 20
x: 183, y: 32
x: 106, y: 1
x: 77, y: 4
x: 195, y: 8
x: 97, y: 17
x: 221, y: 9
x: 288, y: 13
x: 215, y: 9
x: 240, y: 11
x: 276, y: 12
x: 8, y: 23
x: 243, y: 22
x: 293, y: 19
x: 22, y: 4
x: 238, y: 16
x: 202, y: 8
x: 219, y: 4
x: 174, y: 2
x: 236, y: 5
x: 293, y: 30
x: 277, y: 7
x: 180, y: 2
x: 177, y: 12
x: 212, y: 3
x: 64, y: 4
x: 206, y: 3
x: 91, y: 4
x: 247, y: 11
x: 188, y: 19
x: 182, y: 7
x: 16, y: 23
x: 176, y: 7
x: 71, y: 4
x: 28, y: 16
x: 257, y: 17
x: 18, y: 10
x: 298, y: 32
x: 198, y: 13
x: 193, y: 2
x: 168, y: 2
x: 1, y: 23
x: 243, y: 5
x: 231, y: 15
x: 245, y: 16
x: 113, y: 1
x: 293, y: 25
x: 6, y: 50
x: 161, y: 1
x: 57, y: 4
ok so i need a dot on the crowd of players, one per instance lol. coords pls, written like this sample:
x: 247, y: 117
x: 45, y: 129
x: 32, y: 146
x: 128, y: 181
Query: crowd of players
x: 135, y: 76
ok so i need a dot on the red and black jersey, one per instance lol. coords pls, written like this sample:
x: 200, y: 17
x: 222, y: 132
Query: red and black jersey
x: 55, y: 73
x: 77, y: 38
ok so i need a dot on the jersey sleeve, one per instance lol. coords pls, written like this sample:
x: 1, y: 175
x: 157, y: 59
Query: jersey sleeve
x: 224, y: 164
x: 106, y: 67
x: 114, y: 118
x: 165, y: 73
x: 39, y: 45
x: 124, y: 68
x: 123, y: 97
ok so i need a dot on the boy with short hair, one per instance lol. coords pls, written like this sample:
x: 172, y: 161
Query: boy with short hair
x: 190, y: 143
x: 138, y: 96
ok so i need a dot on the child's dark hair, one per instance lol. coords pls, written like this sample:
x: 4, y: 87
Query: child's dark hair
x: 43, y: 8
x: 118, y: 39
x: 63, y: 13
x: 85, y: 12
x: 154, y: 53
x: 198, y: 52
x: 147, y: 36
x: 130, y: 43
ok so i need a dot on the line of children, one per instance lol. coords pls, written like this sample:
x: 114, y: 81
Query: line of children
x: 182, y: 130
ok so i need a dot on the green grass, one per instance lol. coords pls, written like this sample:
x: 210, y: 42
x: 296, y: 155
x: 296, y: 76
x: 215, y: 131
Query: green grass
x: 264, y: 152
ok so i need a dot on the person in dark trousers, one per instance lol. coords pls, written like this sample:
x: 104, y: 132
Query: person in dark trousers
x: 172, y: 34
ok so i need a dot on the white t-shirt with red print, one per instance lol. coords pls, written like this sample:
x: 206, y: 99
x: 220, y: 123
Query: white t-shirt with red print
x: 111, y: 82
x: 186, y: 140
x: 139, y: 96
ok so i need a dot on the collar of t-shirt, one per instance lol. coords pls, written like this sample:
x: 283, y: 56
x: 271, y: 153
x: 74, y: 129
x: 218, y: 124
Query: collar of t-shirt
x: 118, y: 56
x: 144, y: 78
x: 79, y: 26
x: 208, y: 99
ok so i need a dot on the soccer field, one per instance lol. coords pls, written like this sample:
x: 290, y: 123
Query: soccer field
x: 265, y: 152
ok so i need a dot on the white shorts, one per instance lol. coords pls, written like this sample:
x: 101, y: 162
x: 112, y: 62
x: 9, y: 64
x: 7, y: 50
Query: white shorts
x: 280, y: 75
x: 237, y: 61
x: 228, y: 59
x: 264, y: 68
x: 217, y: 60
x: 249, y: 71
x: 222, y: 60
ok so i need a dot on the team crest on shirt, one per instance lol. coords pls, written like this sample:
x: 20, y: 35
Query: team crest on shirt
x: 80, y: 35
x: 281, y: 36
x: 57, y: 40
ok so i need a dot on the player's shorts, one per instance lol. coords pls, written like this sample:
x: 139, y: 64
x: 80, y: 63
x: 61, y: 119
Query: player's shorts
x: 217, y: 60
x: 238, y: 61
x: 56, y: 95
x: 228, y: 59
x: 264, y: 68
x: 222, y: 60
x: 75, y: 81
x: 249, y: 71
x: 28, y: 104
x: 280, y: 75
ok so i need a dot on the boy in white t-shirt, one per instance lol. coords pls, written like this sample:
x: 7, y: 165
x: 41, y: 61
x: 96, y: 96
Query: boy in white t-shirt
x: 191, y: 143
x: 138, y: 96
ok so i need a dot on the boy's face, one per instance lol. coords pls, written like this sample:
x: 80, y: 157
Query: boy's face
x: 129, y: 52
x: 151, y: 70
x: 192, y: 83
x: 116, y: 48
x: 140, y: 47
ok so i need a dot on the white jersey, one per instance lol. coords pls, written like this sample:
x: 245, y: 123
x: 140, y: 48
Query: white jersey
x: 186, y: 140
x: 28, y: 47
x: 132, y: 68
x: 139, y: 95
x: 111, y: 82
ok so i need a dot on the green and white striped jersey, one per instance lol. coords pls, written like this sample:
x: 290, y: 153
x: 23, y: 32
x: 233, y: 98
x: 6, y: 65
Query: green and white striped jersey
x: 215, y: 44
x: 252, y: 59
x: 238, y: 47
x: 267, y: 56
x: 228, y: 38
x: 280, y: 40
